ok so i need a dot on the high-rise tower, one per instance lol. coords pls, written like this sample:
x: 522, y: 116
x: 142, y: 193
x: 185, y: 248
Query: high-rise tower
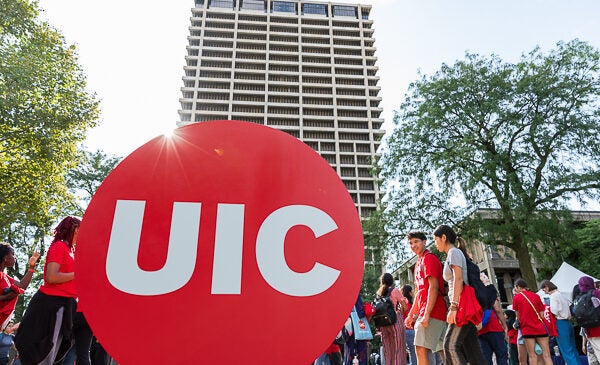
x: 305, y: 67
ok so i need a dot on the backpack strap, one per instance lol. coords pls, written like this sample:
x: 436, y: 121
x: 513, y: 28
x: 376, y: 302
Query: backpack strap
x: 421, y: 264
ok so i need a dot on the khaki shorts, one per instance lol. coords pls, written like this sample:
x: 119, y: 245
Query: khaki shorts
x: 431, y: 337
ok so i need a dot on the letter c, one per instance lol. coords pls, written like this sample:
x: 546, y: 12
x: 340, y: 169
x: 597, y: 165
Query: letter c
x: 271, y: 257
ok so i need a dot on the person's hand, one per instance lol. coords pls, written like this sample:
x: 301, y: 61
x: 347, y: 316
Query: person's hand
x: 425, y: 321
x: 12, y: 328
x: 409, y: 321
x: 10, y: 295
x: 584, y: 349
x: 451, y: 317
x: 34, y: 259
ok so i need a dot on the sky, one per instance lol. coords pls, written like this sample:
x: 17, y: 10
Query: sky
x: 133, y: 52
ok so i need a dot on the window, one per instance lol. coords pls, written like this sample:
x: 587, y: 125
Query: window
x: 253, y: 4
x: 284, y: 7
x: 340, y: 10
x: 319, y: 9
x: 221, y: 4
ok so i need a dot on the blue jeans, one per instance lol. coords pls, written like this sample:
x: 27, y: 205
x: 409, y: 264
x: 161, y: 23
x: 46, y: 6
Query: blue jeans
x: 566, y: 342
x: 493, y: 343
x: 322, y: 360
x: 410, y: 346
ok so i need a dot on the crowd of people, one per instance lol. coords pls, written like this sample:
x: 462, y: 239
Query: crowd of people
x: 437, y: 322
x: 434, y: 326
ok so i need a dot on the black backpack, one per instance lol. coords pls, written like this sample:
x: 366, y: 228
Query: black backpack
x: 584, y: 311
x: 385, y: 313
x: 486, y: 294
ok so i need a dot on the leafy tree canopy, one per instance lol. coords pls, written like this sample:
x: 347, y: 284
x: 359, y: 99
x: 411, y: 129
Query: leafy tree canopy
x: 520, y: 138
x: 45, y: 111
x: 90, y: 172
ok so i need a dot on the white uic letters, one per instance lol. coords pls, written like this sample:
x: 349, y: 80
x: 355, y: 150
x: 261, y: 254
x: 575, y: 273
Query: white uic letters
x: 271, y: 257
x: 122, y: 267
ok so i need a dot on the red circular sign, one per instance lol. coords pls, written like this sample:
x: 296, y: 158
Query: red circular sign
x: 228, y: 241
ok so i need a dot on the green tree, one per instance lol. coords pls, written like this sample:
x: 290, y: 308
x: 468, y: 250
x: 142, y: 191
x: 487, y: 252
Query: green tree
x: 520, y: 138
x: 85, y: 178
x: 45, y: 111
x: 375, y: 238
x: 585, y: 251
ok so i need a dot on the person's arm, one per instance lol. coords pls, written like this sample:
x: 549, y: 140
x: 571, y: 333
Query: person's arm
x: 498, y: 310
x: 399, y: 301
x: 584, y: 344
x: 413, y: 313
x: 457, y: 287
x: 54, y: 276
x: 24, y: 282
x: 432, y: 295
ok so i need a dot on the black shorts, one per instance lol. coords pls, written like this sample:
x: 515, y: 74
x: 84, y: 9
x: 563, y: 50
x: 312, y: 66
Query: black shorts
x: 535, y: 336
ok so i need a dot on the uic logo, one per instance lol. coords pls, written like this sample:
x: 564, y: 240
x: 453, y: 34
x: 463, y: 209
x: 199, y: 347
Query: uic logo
x: 124, y: 273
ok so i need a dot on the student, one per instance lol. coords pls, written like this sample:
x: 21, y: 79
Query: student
x: 10, y: 288
x: 428, y: 314
x: 530, y: 311
x: 48, y: 318
x: 407, y: 291
x: 559, y: 306
x: 493, y: 337
x: 586, y: 284
x: 461, y: 344
x: 393, y: 337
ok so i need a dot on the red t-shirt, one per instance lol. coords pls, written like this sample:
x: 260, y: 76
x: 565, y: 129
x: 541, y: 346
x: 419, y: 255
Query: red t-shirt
x: 528, y: 319
x: 592, y: 332
x: 427, y: 266
x: 334, y: 347
x: 513, y: 335
x: 409, y: 306
x: 6, y: 306
x: 60, y: 253
x: 5, y: 281
x: 492, y: 326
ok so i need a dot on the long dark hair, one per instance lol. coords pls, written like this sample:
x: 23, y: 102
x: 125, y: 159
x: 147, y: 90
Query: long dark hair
x: 5, y: 249
x: 406, y: 289
x: 65, y: 230
x: 452, y: 237
x: 511, y: 317
x: 387, y: 282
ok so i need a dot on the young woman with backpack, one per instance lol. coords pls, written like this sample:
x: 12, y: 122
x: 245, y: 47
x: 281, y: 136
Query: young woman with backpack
x: 461, y: 344
x: 586, y: 284
x: 393, y: 337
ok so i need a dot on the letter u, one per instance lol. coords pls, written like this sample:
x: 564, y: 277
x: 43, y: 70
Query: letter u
x: 122, y: 267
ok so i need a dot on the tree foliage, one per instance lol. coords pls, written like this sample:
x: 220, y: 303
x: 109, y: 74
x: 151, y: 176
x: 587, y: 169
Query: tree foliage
x: 45, y: 111
x: 520, y: 138
x: 586, y: 248
x: 85, y: 178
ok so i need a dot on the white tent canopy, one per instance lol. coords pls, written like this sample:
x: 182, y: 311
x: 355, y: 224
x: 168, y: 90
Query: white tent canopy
x: 566, y: 277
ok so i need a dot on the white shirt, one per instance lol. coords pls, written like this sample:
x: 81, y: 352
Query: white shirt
x: 559, y: 305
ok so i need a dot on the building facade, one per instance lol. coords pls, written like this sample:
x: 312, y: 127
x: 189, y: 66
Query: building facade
x: 307, y: 68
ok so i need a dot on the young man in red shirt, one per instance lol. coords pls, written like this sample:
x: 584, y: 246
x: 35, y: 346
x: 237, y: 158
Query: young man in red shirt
x: 428, y: 313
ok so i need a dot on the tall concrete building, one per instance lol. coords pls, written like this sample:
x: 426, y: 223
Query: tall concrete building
x: 307, y: 68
